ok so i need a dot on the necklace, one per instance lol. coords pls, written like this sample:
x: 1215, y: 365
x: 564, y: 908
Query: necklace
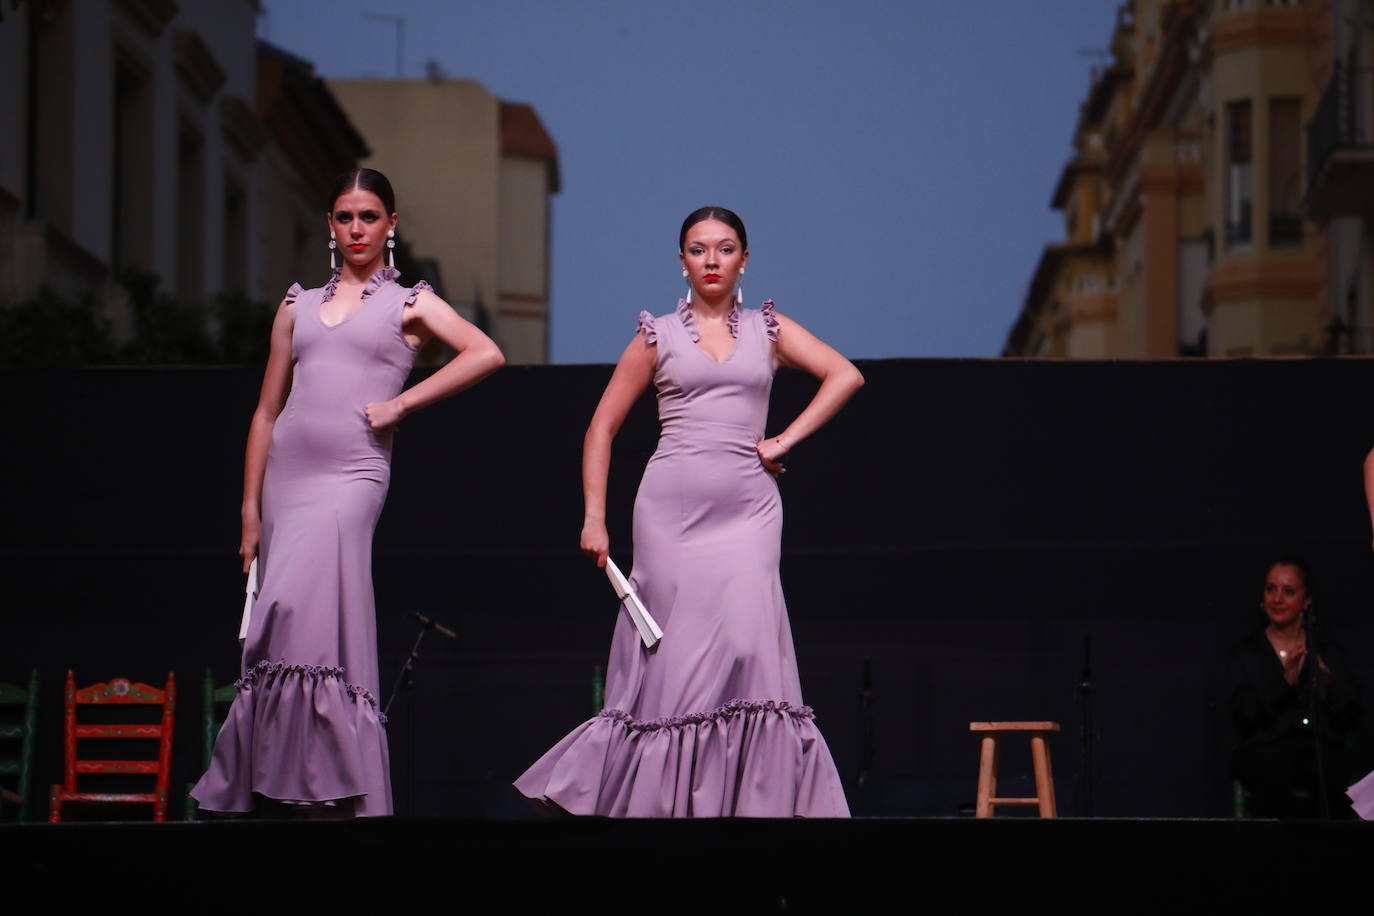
x: 1290, y: 648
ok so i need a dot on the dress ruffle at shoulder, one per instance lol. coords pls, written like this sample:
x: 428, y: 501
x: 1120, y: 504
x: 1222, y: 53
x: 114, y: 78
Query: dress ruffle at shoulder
x: 646, y: 324
x: 416, y: 290
x: 748, y: 758
x: 770, y: 320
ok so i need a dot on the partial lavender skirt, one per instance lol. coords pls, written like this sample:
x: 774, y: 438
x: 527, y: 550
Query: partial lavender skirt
x: 744, y: 760
x: 300, y: 735
x: 1362, y: 797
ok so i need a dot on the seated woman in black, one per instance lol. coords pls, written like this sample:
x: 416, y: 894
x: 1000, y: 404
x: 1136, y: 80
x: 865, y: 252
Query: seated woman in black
x: 1272, y: 708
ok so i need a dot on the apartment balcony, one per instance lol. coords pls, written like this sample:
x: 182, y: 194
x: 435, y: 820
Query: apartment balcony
x: 1340, y: 147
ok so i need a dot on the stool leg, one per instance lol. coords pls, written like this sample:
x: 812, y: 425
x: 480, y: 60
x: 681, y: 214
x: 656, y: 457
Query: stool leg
x: 987, y: 775
x: 1044, y: 778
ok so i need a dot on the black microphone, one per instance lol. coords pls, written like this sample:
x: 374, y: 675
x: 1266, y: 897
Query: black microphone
x: 435, y: 625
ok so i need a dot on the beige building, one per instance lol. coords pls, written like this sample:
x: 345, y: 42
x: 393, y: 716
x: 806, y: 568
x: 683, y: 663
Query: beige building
x: 1340, y: 174
x: 1185, y: 226
x: 473, y: 177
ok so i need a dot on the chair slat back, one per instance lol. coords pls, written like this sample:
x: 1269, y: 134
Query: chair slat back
x: 118, y: 692
x: 22, y: 763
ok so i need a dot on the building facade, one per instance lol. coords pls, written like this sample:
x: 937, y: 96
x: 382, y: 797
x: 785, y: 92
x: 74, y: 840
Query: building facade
x: 474, y: 177
x: 1340, y: 174
x: 162, y: 139
x: 1188, y: 231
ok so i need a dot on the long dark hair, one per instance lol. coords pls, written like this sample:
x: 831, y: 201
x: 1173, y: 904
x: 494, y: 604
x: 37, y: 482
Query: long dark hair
x: 728, y: 217
x: 364, y: 180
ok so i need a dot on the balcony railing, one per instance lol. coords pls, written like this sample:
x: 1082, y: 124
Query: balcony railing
x: 1337, y: 123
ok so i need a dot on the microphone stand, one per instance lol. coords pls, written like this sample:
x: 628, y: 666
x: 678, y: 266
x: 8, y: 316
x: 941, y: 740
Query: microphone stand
x: 405, y: 680
x: 866, y: 699
x: 1086, y: 730
x: 1312, y: 662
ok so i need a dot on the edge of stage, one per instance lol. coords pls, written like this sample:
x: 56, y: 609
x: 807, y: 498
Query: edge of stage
x: 708, y: 865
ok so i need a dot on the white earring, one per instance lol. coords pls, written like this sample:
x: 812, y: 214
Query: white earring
x: 739, y: 289
x: 689, y: 286
x: 332, y: 245
x: 391, y: 248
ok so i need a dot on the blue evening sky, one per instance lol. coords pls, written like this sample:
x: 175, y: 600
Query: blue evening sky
x: 892, y: 159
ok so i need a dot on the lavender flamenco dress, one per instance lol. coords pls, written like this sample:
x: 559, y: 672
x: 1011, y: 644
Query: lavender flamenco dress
x: 305, y: 728
x: 710, y: 722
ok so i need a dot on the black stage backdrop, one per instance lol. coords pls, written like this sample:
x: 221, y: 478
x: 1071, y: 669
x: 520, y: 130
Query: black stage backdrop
x: 962, y: 525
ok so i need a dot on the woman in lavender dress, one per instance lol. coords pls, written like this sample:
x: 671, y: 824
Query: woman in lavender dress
x: 304, y: 729
x: 710, y: 722
x: 1362, y: 793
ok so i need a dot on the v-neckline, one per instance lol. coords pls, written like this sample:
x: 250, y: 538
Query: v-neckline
x: 689, y: 324
x: 706, y: 353
x: 362, y: 304
x: 379, y: 278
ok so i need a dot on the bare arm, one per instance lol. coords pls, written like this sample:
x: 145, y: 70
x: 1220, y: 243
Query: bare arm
x: 798, y: 348
x: 276, y: 384
x: 1369, y: 484
x: 632, y: 375
x: 477, y: 358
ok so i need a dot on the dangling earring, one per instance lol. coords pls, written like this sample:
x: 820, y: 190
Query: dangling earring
x: 332, y: 245
x: 739, y: 289
x: 391, y: 248
x: 689, y: 286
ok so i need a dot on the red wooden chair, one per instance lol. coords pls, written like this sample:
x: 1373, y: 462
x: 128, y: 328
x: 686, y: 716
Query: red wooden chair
x: 117, y: 691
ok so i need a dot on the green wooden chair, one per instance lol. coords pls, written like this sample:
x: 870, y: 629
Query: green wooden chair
x: 598, y: 690
x: 211, y: 720
x: 22, y: 765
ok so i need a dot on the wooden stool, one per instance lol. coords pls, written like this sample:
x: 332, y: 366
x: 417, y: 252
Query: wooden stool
x: 1040, y: 757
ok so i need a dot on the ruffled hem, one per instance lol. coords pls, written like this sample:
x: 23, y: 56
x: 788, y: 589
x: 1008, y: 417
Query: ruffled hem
x: 301, y: 735
x: 725, y: 711
x: 380, y: 277
x: 770, y: 320
x: 646, y: 324
x: 266, y: 667
x: 746, y: 758
x: 415, y: 291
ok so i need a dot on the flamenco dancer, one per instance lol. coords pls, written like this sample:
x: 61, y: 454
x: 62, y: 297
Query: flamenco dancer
x: 304, y: 729
x: 710, y: 722
x: 1361, y: 794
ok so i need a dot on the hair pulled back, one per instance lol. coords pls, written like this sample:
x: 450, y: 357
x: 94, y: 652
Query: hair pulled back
x: 364, y: 180
x: 728, y: 217
x: 1304, y: 571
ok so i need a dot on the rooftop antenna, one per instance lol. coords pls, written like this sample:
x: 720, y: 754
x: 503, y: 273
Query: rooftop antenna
x: 400, y: 23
